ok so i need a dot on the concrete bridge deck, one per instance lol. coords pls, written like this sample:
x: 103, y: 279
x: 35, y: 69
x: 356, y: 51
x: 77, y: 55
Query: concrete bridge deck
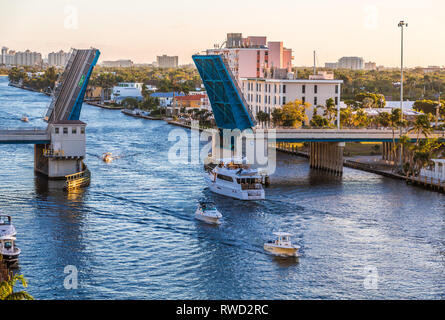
x: 24, y: 136
x: 343, y: 135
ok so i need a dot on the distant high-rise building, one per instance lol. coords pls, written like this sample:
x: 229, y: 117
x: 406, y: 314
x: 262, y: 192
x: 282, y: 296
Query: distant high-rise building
x: 3, y: 56
x: 331, y: 65
x: 165, y: 61
x: 118, y: 64
x: 353, y: 63
x: 27, y: 58
x: 58, y: 59
x: 370, y: 66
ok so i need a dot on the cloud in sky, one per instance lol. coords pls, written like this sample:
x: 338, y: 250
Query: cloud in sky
x: 140, y: 30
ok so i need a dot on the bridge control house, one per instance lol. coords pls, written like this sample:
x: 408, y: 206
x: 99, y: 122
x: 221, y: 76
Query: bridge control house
x: 65, y: 154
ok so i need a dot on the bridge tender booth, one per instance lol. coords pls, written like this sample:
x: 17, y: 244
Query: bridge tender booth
x: 65, y: 154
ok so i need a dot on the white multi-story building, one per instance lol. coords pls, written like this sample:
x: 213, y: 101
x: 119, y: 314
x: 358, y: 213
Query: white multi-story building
x: 125, y: 90
x: 353, y: 63
x: 268, y: 94
x: 58, y: 59
x: 27, y: 58
x: 165, y: 61
x: 123, y: 63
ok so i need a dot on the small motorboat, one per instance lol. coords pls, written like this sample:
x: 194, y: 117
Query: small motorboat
x: 8, y: 250
x: 6, y: 226
x: 207, y: 212
x: 24, y: 118
x: 282, y: 246
x: 107, y: 157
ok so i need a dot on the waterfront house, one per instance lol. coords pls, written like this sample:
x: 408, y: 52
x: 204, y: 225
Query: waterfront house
x: 188, y: 102
x: 166, y: 98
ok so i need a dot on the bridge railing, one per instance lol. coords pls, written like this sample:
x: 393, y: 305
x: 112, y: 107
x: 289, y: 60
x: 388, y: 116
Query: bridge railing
x: 22, y: 131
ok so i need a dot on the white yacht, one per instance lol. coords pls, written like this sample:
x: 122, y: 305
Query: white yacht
x: 6, y: 226
x: 9, y: 252
x: 208, y: 213
x: 236, y: 180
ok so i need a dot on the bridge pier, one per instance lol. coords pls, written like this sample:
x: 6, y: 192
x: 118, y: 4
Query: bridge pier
x: 327, y: 156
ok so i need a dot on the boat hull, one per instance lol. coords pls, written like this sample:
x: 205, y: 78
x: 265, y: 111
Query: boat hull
x: 207, y: 219
x: 281, y: 251
x: 236, y: 194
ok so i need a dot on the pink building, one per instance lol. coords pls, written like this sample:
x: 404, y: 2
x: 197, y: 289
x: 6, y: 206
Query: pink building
x: 255, y: 56
x: 255, y: 42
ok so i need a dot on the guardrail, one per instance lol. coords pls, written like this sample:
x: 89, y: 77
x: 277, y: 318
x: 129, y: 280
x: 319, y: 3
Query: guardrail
x: 78, y: 180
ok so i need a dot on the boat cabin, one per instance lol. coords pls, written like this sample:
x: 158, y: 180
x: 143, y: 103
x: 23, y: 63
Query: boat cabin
x: 5, y: 220
x: 283, y: 239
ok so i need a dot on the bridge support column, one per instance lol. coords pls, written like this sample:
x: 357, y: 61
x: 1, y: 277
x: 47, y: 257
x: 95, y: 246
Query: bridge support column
x: 327, y: 156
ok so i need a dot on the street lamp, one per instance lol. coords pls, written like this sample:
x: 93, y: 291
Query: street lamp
x: 401, y: 25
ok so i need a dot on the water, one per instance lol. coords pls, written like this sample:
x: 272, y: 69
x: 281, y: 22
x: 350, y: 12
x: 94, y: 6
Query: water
x: 132, y: 235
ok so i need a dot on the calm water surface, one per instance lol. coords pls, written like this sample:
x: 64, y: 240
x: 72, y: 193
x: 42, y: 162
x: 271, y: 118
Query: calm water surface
x: 132, y: 234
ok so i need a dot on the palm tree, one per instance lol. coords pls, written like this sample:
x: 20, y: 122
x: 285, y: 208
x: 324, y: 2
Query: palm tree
x: 330, y: 110
x: 422, y: 125
x: 7, y: 289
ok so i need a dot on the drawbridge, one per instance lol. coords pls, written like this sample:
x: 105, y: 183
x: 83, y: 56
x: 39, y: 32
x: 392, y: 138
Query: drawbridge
x: 66, y: 102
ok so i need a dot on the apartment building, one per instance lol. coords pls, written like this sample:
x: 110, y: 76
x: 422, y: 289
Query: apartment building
x: 27, y: 58
x: 58, y: 59
x: 123, y: 63
x: 165, y: 61
x: 253, y: 56
x: 268, y: 94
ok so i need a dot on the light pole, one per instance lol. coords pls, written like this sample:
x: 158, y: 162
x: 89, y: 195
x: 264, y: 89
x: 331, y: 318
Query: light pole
x: 401, y: 25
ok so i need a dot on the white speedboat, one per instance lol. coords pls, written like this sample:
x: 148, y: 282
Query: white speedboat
x: 236, y: 180
x: 6, y: 226
x: 207, y: 212
x: 8, y: 250
x: 282, y: 246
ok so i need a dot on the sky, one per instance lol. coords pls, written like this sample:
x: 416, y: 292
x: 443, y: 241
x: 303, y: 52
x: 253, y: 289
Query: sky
x: 141, y: 29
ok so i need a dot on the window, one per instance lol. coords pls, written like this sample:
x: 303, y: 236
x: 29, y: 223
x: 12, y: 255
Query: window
x: 275, y: 88
x: 336, y: 100
x: 303, y: 88
x: 223, y: 177
x: 336, y: 89
x: 82, y: 130
x: 74, y: 130
x: 315, y: 101
x: 65, y: 130
x: 56, y: 130
x: 284, y: 88
x: 315, y: 89
x: 284, y: 100
x: 275, y: 100
x: 303, y: 99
